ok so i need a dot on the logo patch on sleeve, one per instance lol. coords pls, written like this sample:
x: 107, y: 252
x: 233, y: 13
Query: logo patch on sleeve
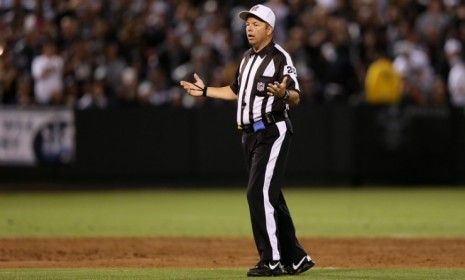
x: 290, y: 70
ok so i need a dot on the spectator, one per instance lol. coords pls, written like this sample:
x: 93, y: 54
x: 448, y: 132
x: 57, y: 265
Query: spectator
x: 431, y: 26
x: 456, y: 79
x: 94, y: 96
x: 127, y: 92
x: 24, y: 91
x: 281, y: 11
x: 8, y: 77
x: 333, y: 43
x: 422, y: 86
x: 340, y: 78
x: 383, y: 84
x: 433, y: 22
x: 114, y: 66
x: 47, y: 70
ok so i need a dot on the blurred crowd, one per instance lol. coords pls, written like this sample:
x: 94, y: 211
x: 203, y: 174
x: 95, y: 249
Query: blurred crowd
x: 110, y: 53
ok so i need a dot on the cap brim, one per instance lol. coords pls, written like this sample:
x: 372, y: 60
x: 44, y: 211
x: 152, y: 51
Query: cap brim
x: 245, y: 14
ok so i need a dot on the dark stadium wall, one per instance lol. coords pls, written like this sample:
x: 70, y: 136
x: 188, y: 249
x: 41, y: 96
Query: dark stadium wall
x: 332, y: 144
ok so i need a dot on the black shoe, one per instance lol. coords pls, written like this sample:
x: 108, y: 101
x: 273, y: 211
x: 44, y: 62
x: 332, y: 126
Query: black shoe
x: 271, y: 268
x: 300, y: 266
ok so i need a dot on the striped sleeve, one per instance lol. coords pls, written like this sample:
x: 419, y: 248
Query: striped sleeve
x: 288, y: 69
x: 235, y: 84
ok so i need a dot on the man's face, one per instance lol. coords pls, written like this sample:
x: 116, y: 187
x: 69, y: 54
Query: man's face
x: 257, y: 31
x: 49, y: 50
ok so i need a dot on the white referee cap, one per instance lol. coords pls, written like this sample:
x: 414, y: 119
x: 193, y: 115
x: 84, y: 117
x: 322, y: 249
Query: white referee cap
x: 262, y: 12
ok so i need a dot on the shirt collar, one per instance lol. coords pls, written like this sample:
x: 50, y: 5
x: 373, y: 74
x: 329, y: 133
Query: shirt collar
x: 265, y: 50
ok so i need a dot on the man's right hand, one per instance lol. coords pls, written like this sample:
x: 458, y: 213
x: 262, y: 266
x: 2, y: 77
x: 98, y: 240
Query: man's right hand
x: 194, y: 89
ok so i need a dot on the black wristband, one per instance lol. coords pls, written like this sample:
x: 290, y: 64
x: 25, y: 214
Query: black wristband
x: 204, y: 91
x: 286, y: 95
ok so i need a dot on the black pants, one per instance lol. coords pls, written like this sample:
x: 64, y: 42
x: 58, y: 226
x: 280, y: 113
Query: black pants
x: 273, y: 229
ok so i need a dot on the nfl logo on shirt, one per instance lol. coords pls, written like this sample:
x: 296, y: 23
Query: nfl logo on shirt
x: 260, y: 86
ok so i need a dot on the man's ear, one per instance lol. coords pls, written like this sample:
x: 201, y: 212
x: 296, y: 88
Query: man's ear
x: 269, y: 29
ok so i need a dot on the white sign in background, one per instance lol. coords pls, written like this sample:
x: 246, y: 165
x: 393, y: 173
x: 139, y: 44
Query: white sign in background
x: 32, y: 136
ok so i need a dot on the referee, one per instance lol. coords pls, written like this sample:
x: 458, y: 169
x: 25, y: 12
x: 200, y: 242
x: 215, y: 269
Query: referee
x: 264, y: 87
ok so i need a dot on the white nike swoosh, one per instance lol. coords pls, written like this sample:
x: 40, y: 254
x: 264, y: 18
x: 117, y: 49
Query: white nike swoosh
x: 272, y: 267
x: 300, y: 263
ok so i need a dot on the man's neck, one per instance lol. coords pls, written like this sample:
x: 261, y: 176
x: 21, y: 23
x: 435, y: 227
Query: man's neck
x: 261, y: 46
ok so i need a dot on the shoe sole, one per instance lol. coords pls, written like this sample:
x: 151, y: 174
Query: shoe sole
x: 279, y: 273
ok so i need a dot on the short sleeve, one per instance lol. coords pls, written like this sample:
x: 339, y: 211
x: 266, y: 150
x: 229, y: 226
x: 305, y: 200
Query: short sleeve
x: 287, y: 68
x: 235, y: 84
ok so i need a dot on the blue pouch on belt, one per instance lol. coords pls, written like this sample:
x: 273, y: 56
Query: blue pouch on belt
x: 257, y: 126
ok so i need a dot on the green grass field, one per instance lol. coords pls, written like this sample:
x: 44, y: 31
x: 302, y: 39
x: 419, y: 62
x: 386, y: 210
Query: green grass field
x: 316, y: 212
x: 208, y: 212
x: 216, y: 274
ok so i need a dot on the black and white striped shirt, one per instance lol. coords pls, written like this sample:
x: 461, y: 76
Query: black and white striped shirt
x: 256, y: 71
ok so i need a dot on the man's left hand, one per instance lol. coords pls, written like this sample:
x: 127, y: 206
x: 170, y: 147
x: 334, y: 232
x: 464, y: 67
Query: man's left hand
x: 277, y: 89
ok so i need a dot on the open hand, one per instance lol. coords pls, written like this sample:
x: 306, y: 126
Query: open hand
x: 194, y: 89
x: 277, y: 89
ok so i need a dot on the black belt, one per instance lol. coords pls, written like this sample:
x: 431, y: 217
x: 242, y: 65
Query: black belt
x: 267, y: 120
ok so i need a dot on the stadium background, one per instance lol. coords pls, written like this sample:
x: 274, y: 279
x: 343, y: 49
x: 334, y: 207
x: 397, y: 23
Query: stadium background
x: 123, y: 60
x: 122, y: 122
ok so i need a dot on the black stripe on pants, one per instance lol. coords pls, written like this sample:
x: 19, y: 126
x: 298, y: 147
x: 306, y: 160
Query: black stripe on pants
x: 272, y: 226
